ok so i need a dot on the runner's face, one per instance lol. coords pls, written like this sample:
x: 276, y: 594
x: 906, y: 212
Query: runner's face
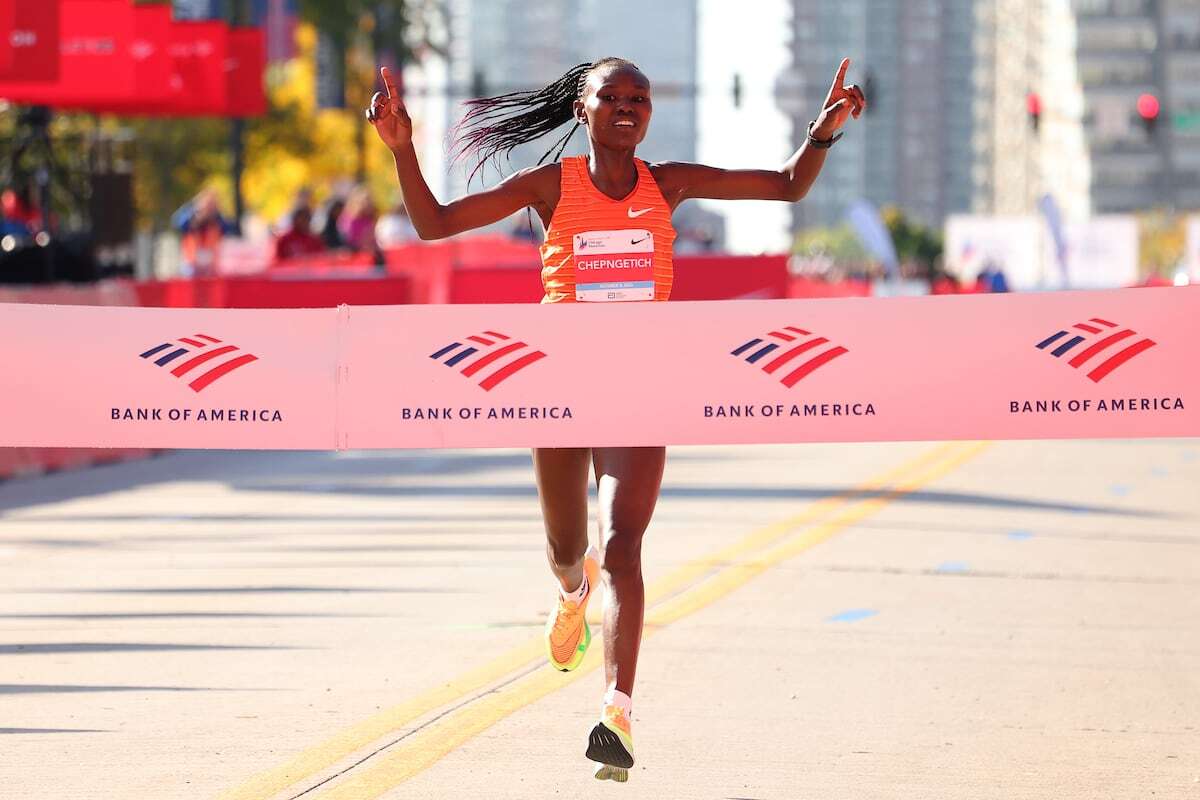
x: 616, y: 106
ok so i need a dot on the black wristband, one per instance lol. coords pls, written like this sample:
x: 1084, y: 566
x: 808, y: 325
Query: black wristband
x: 819, y: 143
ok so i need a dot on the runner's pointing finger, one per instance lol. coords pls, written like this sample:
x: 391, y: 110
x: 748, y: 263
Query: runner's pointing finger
x: 841, y: 75
x: 390, y: 83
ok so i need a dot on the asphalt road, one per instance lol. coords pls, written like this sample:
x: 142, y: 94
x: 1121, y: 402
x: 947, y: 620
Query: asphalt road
x: 984, y: 620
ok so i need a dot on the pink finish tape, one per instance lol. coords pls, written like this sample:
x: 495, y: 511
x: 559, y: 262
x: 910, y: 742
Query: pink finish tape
x: 1110, y: 364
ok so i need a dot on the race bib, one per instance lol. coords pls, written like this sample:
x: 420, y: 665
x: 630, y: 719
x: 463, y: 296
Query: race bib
x: 614, y: 266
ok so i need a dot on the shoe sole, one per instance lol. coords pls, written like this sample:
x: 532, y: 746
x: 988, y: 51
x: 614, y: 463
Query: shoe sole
x: 605, y: 747
x: 606, y: 773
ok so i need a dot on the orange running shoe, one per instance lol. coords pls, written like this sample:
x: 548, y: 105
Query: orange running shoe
x: 610, y: 745
x: 567, y: 632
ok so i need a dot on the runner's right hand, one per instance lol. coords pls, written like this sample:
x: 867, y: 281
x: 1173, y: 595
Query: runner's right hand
x: 388, y: 114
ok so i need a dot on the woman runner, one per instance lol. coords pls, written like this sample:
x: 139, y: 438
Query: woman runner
x: 605, y: 203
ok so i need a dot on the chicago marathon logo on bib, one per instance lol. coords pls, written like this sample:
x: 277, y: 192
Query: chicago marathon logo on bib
x: 614, y: 266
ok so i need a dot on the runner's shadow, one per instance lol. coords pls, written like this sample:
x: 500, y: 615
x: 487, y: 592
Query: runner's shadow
x: 9, y: 731
x: 50, y: 688
x: 123, y: 647
x: 182, y: 615
x: 725, y: 493
x: 247, y: 590
x: 235, y: 466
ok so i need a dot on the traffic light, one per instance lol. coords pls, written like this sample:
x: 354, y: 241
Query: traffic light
x: 1148, y: 108
x: 1033, y: 104
x: 737, y: 90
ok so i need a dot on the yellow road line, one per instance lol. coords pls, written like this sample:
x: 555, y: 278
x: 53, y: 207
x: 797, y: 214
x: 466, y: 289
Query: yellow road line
x: 397, y: 764
x: 323, y: 756
x: 739, y: 573
x: 689, y: 573
x: 412, y: 756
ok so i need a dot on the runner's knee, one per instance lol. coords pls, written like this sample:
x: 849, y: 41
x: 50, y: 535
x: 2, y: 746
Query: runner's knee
x: 623, y: 554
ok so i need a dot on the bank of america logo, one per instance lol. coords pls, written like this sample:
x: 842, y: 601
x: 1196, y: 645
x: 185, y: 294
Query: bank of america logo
x: 205, y: 359
x: 795, y: 352
x: 493, y: 356
x: 1100, y: 337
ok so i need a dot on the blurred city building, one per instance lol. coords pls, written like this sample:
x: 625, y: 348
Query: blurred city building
x: 1139, y: 61
x: 1029, y: 138
x: 984, y: 106
x: 916, y: 61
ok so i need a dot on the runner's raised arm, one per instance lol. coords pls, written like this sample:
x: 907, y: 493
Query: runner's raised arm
x: 433, y: 220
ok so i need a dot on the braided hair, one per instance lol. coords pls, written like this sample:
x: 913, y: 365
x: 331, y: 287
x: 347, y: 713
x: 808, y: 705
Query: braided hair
x: 497, y: 125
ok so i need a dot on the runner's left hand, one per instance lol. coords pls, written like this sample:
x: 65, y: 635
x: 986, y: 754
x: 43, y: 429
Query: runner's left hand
x: 841, y: 102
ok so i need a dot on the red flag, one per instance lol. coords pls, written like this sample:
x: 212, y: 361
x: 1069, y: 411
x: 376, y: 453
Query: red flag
x: 244, y: 76
x: 29, y: 35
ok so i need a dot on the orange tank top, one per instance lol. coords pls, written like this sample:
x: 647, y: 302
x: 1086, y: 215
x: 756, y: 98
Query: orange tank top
x: 599, y: 249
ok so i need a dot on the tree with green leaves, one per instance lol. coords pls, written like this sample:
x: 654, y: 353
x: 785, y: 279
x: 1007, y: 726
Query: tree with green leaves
x: 914, y: 241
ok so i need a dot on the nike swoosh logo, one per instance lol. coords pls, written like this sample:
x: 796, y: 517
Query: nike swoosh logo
x: 637, y: 241
x: 635, y: 214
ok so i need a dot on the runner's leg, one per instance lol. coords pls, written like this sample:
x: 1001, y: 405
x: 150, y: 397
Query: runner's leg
x: 562, y: 476
x: 628, y: 480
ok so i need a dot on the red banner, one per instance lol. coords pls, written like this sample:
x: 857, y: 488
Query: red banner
x: 193, y: 73
x: 152, y: 64
x: 198, y: 51
x: 244, y: 73
x: 29, y: 34
x: 211, y: 69
x: 119, y: 58
x: 8, y: 24
x: 96, y: 63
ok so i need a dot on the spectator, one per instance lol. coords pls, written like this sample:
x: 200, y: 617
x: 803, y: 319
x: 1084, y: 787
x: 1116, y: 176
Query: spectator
x: 299, y: 240
x: 329, y: 224
x: 991, y: 279
x: 11, y: 226
x: 202, y: 227
x: 18, y: 207
x: 357, y: 222
x: 943, y: 283
x: 395, y: 228
x: 303, y: 199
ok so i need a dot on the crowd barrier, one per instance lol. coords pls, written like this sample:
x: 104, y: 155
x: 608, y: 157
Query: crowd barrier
x: 1101, y: 364
x: 274, y: 292
x: 434, y: 273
